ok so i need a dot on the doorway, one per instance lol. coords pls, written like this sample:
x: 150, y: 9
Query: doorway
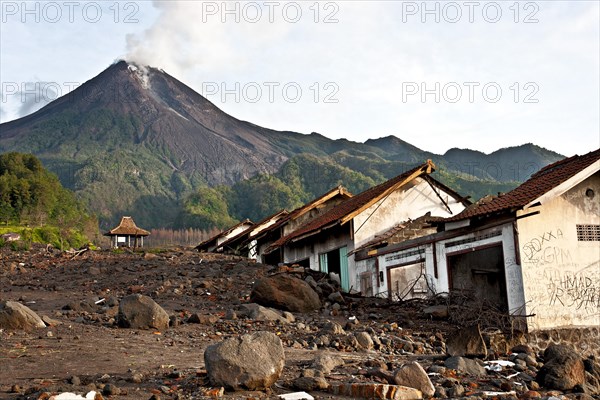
x: 478, y: 275
x: 336, y: 261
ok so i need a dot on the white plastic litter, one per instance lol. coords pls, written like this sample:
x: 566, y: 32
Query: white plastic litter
x: 296, y: 396
x: 496, y: 365
x: 504, y: 363
x: 73, y: 396
x: 500, y: 394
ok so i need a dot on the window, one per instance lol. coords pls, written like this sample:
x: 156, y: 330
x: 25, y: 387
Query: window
x: 588, y: 233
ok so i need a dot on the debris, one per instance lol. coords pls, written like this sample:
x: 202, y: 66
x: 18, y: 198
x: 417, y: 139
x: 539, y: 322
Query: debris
x: 296, y: 396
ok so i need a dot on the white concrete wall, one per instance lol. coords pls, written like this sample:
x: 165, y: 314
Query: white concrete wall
x: 312, y: 249
x: 502, y: 235
x: 233, y: 233
x: 561, y: 274
x: 410, y: 202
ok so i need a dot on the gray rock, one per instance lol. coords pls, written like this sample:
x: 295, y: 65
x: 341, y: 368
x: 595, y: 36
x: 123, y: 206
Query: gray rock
x: 465, y: 365
x: 252, y: 362
x: 204, y: 319
x: 364, y: 340
x: 111, y: 390
x: 413, y: 375
x: 310, y: 383
x: 466, y: 342
x: 14, y: 315
x: 137, y: 311
x: 334, y: 328
x: 438, y: 312
x: 455, y: 391
x: 285, y: 292
x: 326, y: 363
x: 563, y: 369
x: 336, y: 297
x: 260, y: 313
x: 50, y: 321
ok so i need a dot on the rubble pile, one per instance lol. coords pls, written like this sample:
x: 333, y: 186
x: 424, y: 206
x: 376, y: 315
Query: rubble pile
x: 184, y: 325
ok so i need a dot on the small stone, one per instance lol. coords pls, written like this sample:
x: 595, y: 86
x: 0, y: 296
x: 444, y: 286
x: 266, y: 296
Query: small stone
x: 16, y: 389
x: 364, y: 340
x: 333, y: 328
x: 336, y: 297
x: 111, y: 390
x: 413, y: 375
x: 440, y: 393
x: 437, y: 312
x: 455, y: 391
x: 310, y: 383
x: 74, y: 380
x: 531, y: 394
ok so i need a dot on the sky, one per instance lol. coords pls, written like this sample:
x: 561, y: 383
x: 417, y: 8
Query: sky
x: 439, y: 75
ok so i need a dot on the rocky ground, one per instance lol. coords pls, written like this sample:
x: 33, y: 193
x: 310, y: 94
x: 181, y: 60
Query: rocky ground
x: 345, y: 347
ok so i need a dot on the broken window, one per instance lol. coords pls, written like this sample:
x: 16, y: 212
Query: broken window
x: 407, y: 281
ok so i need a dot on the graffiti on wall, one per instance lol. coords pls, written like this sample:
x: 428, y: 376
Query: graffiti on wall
x: 579, y: 290
x: 556, y: 279
x: 532, y: 249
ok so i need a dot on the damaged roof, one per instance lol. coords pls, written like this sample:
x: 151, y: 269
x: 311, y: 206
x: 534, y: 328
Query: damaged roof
x: 260, y: 226
x: 127, y: 227
x: 348, y: 209
x: 540, y: 183
x: 223, y: 233
x: 403, y: 231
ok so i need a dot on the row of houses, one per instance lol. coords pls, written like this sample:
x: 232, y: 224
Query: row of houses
x: 534, y: 251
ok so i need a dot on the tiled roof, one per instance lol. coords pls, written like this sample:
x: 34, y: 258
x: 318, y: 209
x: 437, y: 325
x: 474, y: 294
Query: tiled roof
x: 127, y: 227
x: 223, y: 233
x: 537, y: 185
x: 349, y: 207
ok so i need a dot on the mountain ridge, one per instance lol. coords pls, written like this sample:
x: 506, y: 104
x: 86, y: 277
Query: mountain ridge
x: 135, y: 140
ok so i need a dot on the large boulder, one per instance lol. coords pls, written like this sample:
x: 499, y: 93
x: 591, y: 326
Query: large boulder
x: 466, y: 342
x: 413, y: 375
x: 15, y: 315
x: 563, y: 368
x: 252, y: 362
x: 137, y: 311
x: 285, y: 292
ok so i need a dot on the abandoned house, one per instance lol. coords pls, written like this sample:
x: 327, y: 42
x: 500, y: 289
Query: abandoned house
x: 242, y: 244
x: 213, y: 244
x: 534, y: 251
x: 127, y: 234
x: 252, y: 241
x: 327, y: 242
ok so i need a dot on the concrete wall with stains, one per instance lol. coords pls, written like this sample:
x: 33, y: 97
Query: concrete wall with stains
x: 561, y: 274
x: 410, y: 202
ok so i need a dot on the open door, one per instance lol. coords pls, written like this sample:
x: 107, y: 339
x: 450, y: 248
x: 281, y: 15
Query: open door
x: 478, y: 274
x: 336, y: 261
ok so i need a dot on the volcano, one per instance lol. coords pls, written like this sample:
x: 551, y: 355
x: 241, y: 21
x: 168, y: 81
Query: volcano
x: 134, y: 140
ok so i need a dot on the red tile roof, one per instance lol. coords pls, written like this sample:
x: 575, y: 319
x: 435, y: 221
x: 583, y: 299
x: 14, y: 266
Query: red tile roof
x: 346, y: 209
x: 127, y: 227
x: 537, y: 185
